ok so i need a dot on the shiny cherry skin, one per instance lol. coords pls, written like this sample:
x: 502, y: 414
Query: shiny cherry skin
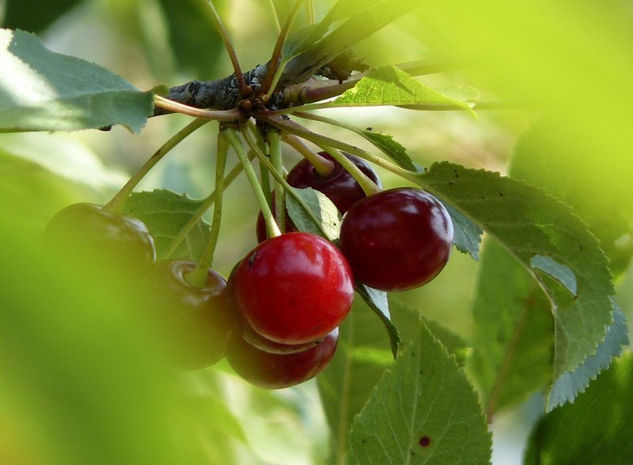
x: 277, y: 371
x: 294, y: 288
x: 98, y: 235
x: 339, y: 186
x: 196, y: 323
x: 261, y: 225
x: 397, y: 239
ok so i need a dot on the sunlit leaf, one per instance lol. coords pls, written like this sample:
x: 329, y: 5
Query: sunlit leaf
x: 44, y: 91
x: 313, y: 212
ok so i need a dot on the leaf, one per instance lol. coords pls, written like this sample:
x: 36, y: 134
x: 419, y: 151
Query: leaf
x: 406, y: 320
x: 45, y: 91
x: 390, y: 85
x: 390, y: 147
x: 528, y: 222
x: 165, y: 213
x: 563, y: 274
x: 542, y: 154
x: 422, y: 411
x: 362, y: 354
x: 595, y: 430
x: 513, y: 331
x: 357, y: 28
x: 572, y: 383
x: 377, y: 301
x: 466, y: 234
x: 313, y: 212
x: 26, y: 15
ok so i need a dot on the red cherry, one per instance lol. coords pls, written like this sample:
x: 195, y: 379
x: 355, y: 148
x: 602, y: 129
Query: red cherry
x: 294, y: 288
x: 276, y: 371
x: 87, y: 230
x: 397, y: 239
x: 339, y: 186
x: 195, y: 322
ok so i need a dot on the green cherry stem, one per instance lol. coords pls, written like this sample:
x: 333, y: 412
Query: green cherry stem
x: 118, y: 201
x: 322, y: 165
x: 176, y: 107
x: 273, y: 9
x: 364, y: 181
x: 274, y: 143
x: 310, y: 12
x: 198, y: 276
x: 272, y: 229
x: 264, y: 175
x: 279, y: 177
x: 202, y: 209
x: 299, y: 130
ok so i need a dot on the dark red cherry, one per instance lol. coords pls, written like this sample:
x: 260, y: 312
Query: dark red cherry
x: 397, y: 239
x: 294, y: 288
x: 196, y: 323
x: 339, y: 186
x: 99, y: 235
x: 276, y: 371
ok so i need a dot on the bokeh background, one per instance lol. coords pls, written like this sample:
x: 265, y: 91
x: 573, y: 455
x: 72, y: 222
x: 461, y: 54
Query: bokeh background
x: 80, y: 385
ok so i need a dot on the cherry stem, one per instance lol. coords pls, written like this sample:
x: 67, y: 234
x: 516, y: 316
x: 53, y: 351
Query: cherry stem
x: 274, y: 69
x: 198, y: 276
x: 369, y: 187
x: 202, y: 209
x: 310, y: 12
x: 219, y: 25
x: 280, y: 179
x: 218, y: 115
x: 274, y: 144
x: 299, y: 130
x: 118, y: 201
x: 272, y: 229
x: 322, y: 165
x: 264, y: 175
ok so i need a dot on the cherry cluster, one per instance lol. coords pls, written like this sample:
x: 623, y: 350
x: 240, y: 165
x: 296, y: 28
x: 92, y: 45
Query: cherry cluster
x: 276, y: 319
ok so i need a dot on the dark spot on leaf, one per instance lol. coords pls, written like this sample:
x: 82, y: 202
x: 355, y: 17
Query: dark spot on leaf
x: 451, y: 183
x: 580, y: 247
x: 424, y: 441
x: 500, y: 194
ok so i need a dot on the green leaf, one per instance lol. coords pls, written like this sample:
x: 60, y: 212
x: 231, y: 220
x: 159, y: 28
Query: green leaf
x: 528, y: 222
x: 390, y: 147
x: 568, y: 386
x: 406, y: 320
x: 467, y: 235
x: 422, y: 411
x: 362, y: 354
x: 44, y: 91
x: 357, y: 28
x: 595, y: 429
x: 165, y: 213
x: 31, y: 16
x: 542, y: 154
x: 392, y: 86
x: 378, y: 302
x: 559, y: 272
x: 313, y: 212
x: 513, y: 331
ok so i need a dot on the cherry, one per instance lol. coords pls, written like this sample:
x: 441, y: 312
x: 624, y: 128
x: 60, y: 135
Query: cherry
x: 276, y: 371
x: 397, y: 239
x: 339, y: 186
x: 294, y: 288
x: 95, y: 234
x: 196, y: 322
